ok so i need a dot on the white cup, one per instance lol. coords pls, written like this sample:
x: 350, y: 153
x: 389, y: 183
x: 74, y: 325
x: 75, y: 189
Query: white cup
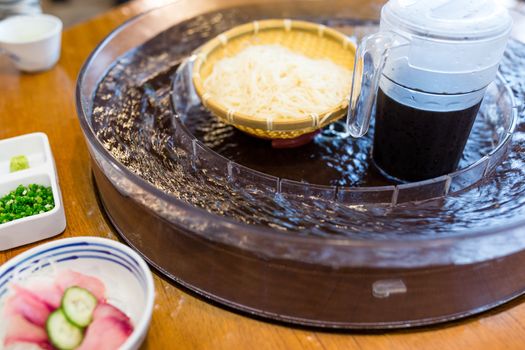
x: 32, y: 42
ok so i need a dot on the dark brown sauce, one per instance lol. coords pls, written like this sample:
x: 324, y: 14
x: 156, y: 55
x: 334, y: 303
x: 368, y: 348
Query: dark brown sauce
x: 411, y: 144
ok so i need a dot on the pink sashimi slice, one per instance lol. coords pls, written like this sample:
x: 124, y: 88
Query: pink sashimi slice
x: 20, y: 330
x: 26, y: 304
x: 104, y: 310
x: 69, y: 278
x: 49, y: 293
x: 28, y: 346
x: 106, y: 333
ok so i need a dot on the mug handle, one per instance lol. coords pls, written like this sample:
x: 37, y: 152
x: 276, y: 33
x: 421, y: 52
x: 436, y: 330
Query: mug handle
x: 370, y: 60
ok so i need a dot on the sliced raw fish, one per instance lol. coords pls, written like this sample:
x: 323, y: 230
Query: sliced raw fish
x: 20, y: 330
x: 28, y: 309
x: 26, y: 304
x: 104, y: 310
x: 106, y: 333
x: 27, y: 346
x: 49, y: 292
x: 69, y: 278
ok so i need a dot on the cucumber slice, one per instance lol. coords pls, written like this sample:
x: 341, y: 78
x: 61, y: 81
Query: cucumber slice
x: 63, y: 334
x: 78, y: 305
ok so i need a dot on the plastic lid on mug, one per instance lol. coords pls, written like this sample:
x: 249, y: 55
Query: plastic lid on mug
x: 452, y: 46
x: 450, y: 19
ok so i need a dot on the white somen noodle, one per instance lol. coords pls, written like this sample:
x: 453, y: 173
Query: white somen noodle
x: 270, y: 81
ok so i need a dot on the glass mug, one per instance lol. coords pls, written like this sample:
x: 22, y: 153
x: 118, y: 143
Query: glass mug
x: 426, y: 71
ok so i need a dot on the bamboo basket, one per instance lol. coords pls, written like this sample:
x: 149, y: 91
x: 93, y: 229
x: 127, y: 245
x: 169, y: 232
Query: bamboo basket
x: 310, y: 39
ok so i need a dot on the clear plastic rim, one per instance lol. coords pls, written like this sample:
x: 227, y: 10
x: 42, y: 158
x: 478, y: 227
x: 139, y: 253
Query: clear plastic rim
x: 438, y: 187
x: 264, y: 233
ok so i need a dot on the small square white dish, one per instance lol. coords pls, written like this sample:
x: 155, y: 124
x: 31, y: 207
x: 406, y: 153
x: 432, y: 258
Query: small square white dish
x: 41, y: 171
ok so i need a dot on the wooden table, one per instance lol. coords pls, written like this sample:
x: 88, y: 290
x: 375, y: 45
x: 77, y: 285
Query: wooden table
x: 45, y: 102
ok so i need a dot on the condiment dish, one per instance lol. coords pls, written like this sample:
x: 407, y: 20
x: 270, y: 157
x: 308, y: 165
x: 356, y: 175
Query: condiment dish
x: 42, y: 171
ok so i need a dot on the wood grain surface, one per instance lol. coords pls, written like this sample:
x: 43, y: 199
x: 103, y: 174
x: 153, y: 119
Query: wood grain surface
x: 46, y: 102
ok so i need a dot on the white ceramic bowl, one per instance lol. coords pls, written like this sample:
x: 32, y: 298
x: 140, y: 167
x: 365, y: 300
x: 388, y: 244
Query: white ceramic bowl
x: 32, y: 41
x: 128, y: 280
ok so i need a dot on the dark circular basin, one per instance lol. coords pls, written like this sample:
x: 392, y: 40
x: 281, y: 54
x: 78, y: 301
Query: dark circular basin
x: 274, y: 238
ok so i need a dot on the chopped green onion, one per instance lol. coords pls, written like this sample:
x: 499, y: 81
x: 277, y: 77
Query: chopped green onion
x: 26, y: 201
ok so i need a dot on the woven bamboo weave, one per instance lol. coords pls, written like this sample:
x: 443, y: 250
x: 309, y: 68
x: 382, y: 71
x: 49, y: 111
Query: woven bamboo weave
x: 310, y: 39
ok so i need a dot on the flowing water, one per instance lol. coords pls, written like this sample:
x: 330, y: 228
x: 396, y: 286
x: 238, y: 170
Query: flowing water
x: 132, y: 116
